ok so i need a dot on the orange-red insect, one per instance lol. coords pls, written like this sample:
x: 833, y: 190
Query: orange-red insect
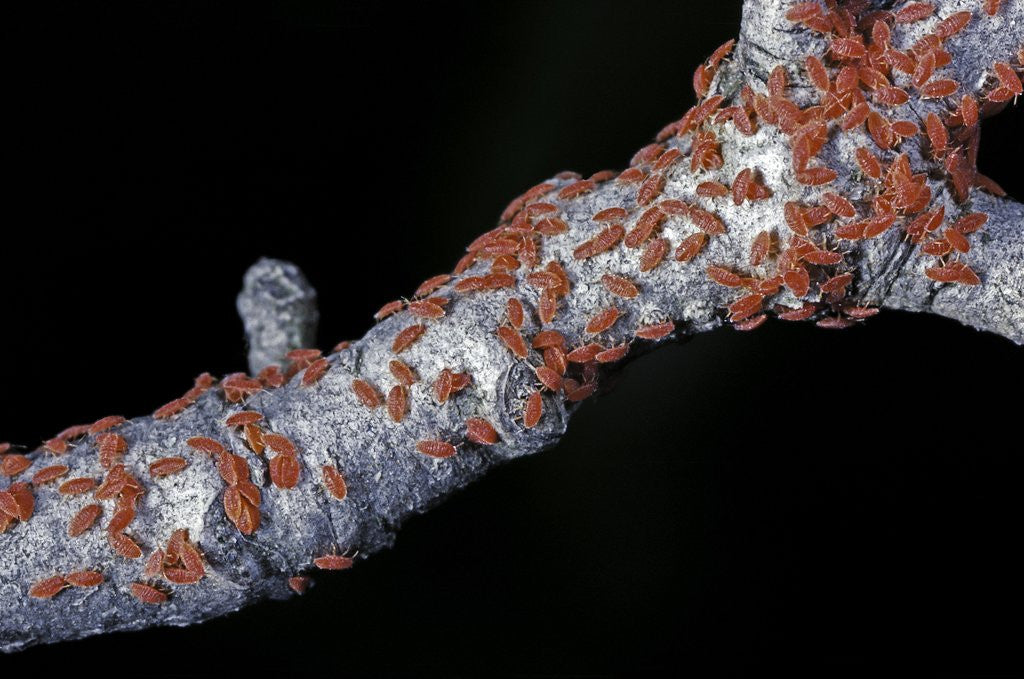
x: 970, y: 223
x: 816, y: 176
x: 585, y: 353
x: 619, y: 286
x: 48, y: 588
x: 991, y: 7
x: 760, y: 248
x: 555, y: 358
x: 279, y: 443
x: 533, y: 410
x: 366, y: 393
x: 84, y: 578
x: 723, y: 276
x: 47, y: 474
x: 655, y: 331
x: 435, y: 448
x: 602, y: 321
x: 611, y: 214
x: 602, y: 242
x: 431, y: 284
x: 77, y: 486
x: 443, y: 386
x: 712, y: 189
x: 515, y: 313
x: 299, y: 583
x: 14, y: 464
x: 105, y: 423
x: 284, y: 471
x: 480, y: 431
x: 690, y: 247
x: 914, y: 11
x: 242, y: 418
x: 952, y: 25
x: 740, y: 185
x: 84, y: 519
x: 650, y: 189
x: 937, y: 89
x: 315, y: 371
x: 513, y: 340
x: 550, y: 378
x: 389, y: 309
x: 406, y: 337
x: 111, y: 447
x: 333, y: 562
x: 613, y: 354
x: 124, y: 545
x: 171, y: 409
x: 706, y: 221
x: 548, y: 338
x: 254, y: 438
x: 146, y: 593
x: 167, y: 465
x: 205, y: 444
x: 334, y: 482
x: 396, y: 402
x: 402, y: 372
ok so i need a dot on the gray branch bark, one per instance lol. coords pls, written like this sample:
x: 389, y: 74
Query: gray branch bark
x: 388, y: 480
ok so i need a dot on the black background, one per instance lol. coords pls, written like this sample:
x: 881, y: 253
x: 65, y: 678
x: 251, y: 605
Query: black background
x: 790, y: 498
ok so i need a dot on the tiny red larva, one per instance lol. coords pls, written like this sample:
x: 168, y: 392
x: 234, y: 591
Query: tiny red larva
x: 480, y: 431
x: 835, y: 323
x: 228, y: 468
x: 14, y: 464
x: 314, y: 371
x: 1008, y: 78
x: 167, y: 465
x: 817, y: 73
x: 533, y: 410
x: 846, y: 80
x: 817, y: 176
x: 751, y: 323
x: 254, y: 438
x: 57, y: 446
x: 702, y: 80
x: 746, y: 306
x: 425, y: 309
x: 84, y: 519
x: 550, y: 378
x: 760, y: 248
x: 335, y: 482
x: 913, y: 11
x: 667, y: 158
x: 124, y: 545
x: 650, y: 189
x: 396, y: 403
x: 720, y: 53
x: 513, y: 340
x: 952, y: 25
x: 712, y: 189
x: 881, y: 35
x: 602, y: 242
x: 970, y: 223
x: 299, y: 583
x: 837, y: 283
x: 181, y: 576
x: 602, y: 321
x: 547, y: 306
x: 798, y: 281
x: 803, y: 11
x: 847, y: 48
x: 389, y: 309
x: 991, y: 7
x: 633, y: 174
x: 653, y: 254
x: 611, y: 214
x: 232, y: 501
x: 146, y: 593
x: 575, y: 189
x: 84, y: 578
x: 284, y: 471
x: 957, y: 240
x: 799, y: 314
x: 302, y: 357
x: 204, y: 444
x: 655, y: 331
x: 554, y: 358
x: 690, y: 247
x: 514, y: 312
x: 585, y: 353
x: 923, y: 70
x: 891, y: 96
x: 740, y: 185
x: 47, y: 474
x: 402, y: 372
x: 105, y: 423
x: 77, y: 486
x: 171, y: 409
x: 613, y: 354
x: 24, y: 500
x: 938, y: 89
x: 706, y: 221
x: 333, y: 562
x: 243, y: 418
x: 575, y: 392
x: 279, y: 443
x: 868, y: 163
x: 723, y: 276
x: 121, y: 519
x: 619, y: 286
x: 110, y: 447
x: 48, y: 588
x: 435, y: 448
x: 405, y: 338
x: 71, y: 433
x: 8, y: 505
x: 777, y: 81
x: 838, y: 205
x: 823, y: 257
x: 443, y: 385
x: 650, y: 220
x: 860, y: 312
x: 366, y: 393
x: 535, y: 209
x: 431, y: 284
x: 548, y: 338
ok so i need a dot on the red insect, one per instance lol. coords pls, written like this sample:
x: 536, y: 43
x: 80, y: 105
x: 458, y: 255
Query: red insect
x: 1008, y: 78
x: 991, y: 7
x: 146, y: 593
x: 712, y: 189
x: 315, y: 371
x: 167, y: 465
x: 891, y: 96
x: 746, y: 306
x: 602, y: 242
x: 14, y: 464
x: 690, y: 247
x: 124, y: 545
x: 868, y: 163
x: 914, y: 11
x: 254, y: 438
x: 204, y: 444
x: 799, y: 314
x: 952, y: 24
x: 513, y: 340
x: 48, y: 588
x: 533, y: 410
x: 653, y: 254
x: 847, y: 48
x: 333, y: 562
x: 425, y: 308
x: 84, y: 579
x: 817, y: 73
x: 740, y: 185
x: 837, y: 283
x: 366, y: 393
x: 706, y: 222
x: 584, y: 354
x: 838, y: 205
x: 334, y: 482
x: 299, y: 583
x: 111, y: 447
x: 803, y: 11
x: 619, y: 286
x: 547, y: 306
x: 443, y: 386
x: 396, y: 402
x: 798, y: 281
x: 405, y: 338
x: 576, y: 189
x: 723, y: 276
x: 938, y: 89
x: 47, y: 474
x: 611, y: 214
x: 750, y: 323
x: 970, y: 223
x: 431, y: 284
x: 760, y: 248
x: 284, y: 471
x: 816, y: 176
x: 555, y: 358
x: 614, y: 354
x: 655, y: 331
x: 548, y: 338
x: 243, y: 418
x: 550, y: 378
x: 77, y: 486
x: 435, y: 448
x: 515, y: 313
x: 650, y: 189
x: 402, y: 372
x: 84, y: 519
x: 106, y: 423
x: 480, y: 431
x: 279, y: 443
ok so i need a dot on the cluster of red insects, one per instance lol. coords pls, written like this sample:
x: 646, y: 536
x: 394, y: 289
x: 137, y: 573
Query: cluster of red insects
x: 861, y: 78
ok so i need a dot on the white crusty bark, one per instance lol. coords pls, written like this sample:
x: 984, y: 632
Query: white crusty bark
x: 388, y: 481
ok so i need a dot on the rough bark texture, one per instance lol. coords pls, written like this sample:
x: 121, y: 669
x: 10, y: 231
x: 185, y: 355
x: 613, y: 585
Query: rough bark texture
x: 388, y: 480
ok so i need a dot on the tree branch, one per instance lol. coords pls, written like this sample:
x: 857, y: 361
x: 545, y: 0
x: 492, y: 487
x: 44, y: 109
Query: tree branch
x: 388, y: 473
